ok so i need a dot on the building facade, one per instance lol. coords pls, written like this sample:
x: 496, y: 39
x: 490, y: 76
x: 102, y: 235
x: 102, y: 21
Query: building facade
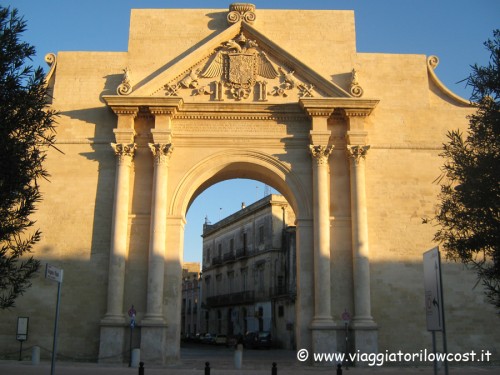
x: 191, y: 300
x: 350, y: 139
x: 249, y: 278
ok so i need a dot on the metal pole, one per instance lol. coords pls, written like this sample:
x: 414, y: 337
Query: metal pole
x: 445, y: 346
x: 434, y: 351
x: 130, y: 346
x: 21, y: 350
x: 54, y: 344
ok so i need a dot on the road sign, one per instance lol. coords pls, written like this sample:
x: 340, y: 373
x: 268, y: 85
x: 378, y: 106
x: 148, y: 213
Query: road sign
x: 433, y: 291
x: 346, y: 317
x: 22, y: 328
x: 53, y: 273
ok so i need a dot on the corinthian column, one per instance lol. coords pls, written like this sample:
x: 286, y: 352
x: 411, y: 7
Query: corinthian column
x: 156, y: 268
x: 118, y: 252
x: 322, y: 300
x: 361, y: 256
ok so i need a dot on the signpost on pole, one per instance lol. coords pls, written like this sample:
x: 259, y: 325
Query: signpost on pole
x: 22, y: 332
x: 434, y: 306
x: 55, y: 274
x: 346, y: 317
x: 131, y: 314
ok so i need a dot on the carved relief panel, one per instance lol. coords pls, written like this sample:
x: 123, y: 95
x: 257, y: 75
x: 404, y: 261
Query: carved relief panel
x: 239, y: 70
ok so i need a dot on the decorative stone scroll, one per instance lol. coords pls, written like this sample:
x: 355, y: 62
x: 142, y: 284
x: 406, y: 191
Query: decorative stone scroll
x: 125, y: 152
x: 356, y: 89
x: 321, y: 153
x: 357, y: 152
x: 125, y: 88
x: 241, y: 12
x: 51, y: 60
x: 161, y: 152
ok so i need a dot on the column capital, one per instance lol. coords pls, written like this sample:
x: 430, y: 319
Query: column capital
x: 165, y: 111
x: 321, y: 153
x: 125, y: 111
x: 357, y: 112
x: 161, y: 152
x: 356, y: 153
x: 125, y: 152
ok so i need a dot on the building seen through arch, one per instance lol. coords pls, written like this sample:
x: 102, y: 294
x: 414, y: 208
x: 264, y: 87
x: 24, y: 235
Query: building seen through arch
x: 249, y: 272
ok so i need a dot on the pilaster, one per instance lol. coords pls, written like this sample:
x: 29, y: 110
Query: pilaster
x: 113, y: 324
x: 365, y: 329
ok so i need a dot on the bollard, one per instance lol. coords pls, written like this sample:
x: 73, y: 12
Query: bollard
x: 274, y: 370
x: 35, y: 355
x: 238, y: 356
x: 141, y: 368
x: 339, y: 369
x: 207, y: 368
x: 136, y: 358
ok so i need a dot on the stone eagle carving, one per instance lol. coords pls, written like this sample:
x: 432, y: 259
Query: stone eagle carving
x: 238, y: 63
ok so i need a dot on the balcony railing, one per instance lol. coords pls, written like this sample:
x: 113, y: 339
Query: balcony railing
x: 228, y: 257
x: 239, y: 298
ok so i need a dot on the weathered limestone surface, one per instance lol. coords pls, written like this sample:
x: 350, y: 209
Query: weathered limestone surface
x: 222, y: 127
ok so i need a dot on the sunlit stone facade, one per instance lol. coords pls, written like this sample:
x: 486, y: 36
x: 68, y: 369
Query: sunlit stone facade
x: 350, y: 139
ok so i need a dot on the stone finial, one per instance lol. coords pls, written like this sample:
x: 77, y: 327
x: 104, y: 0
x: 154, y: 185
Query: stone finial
x: 125, y: 87
x: 241, y: 11
x: 356, y: 89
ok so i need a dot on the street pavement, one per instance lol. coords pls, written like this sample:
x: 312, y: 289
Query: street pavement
x: 255, y: 362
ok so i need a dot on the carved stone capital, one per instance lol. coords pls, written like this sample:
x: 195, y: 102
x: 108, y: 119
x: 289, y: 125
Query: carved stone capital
x: 125, y: 152
x: 357, y: 152
x: 161, y: 152
x: 321, y: 153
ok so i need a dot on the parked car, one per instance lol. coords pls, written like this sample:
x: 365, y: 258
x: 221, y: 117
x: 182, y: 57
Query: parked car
x: 221, y: 339
x: 208, y: 338
x: 254, y: 340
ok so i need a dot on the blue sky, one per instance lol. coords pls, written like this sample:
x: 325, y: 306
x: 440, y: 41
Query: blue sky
x: 454, y: 30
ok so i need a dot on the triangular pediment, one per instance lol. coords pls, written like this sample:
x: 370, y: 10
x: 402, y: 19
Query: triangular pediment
x: 239, y: 64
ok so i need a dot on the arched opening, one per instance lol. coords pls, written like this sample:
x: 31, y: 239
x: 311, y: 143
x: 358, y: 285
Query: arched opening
x: 240, y: 237
x: 245, y: 284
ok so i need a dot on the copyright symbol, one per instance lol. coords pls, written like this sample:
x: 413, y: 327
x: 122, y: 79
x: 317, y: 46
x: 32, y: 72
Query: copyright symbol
x: 302, y: 355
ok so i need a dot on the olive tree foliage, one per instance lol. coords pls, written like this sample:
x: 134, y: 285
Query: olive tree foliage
x: 469, y: 210
x: 26, y: 132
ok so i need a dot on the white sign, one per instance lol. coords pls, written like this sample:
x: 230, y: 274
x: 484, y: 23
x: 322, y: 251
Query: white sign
x: 433, y: 292
x: 53, y: 273
x: 22, y: 328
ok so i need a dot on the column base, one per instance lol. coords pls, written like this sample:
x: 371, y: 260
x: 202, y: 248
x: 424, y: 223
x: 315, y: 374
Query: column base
x: 112, y: 340
x: 154, y: 341
x: 365, y: 337
x: 324, y: 339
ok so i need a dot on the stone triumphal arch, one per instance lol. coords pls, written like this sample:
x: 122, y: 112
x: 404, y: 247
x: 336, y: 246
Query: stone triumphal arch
x: 351, y: 139
x: 238, y: 105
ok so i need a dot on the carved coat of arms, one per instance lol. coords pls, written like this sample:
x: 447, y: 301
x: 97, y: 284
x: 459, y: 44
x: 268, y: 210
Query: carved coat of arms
x: 238, y: 63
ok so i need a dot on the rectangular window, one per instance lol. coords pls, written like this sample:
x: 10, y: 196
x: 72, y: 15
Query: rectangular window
x: 281, y: 310
x: 261, y: 235
x: 231, y: 245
